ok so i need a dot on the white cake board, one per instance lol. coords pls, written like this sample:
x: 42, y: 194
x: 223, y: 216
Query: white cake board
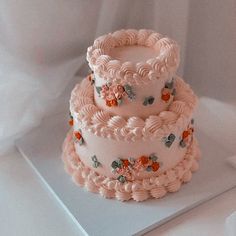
x: 95, y: 215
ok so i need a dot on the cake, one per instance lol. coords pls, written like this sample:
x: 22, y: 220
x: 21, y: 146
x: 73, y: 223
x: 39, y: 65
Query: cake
x: 132, y: 134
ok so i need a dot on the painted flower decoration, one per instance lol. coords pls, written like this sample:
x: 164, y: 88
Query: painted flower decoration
x: 187, y: 135
x: 77, y: 137
x: 71, y: 121
x: 168, y: 91
x: 126, y: 168
x: 114, y: 94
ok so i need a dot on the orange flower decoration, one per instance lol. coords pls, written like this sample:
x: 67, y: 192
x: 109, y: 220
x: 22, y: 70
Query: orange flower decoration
x: 78, y: 135
x: 155, y: 166
x: 125, y: 163
x: 144, y: 160
x: 165, y: 97
x: 111, y: 103
x: 71, y: 122
x: 185, y: 134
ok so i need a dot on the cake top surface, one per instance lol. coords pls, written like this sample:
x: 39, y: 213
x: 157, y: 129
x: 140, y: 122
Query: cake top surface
x: 134, y: 53
x: 138, y: 54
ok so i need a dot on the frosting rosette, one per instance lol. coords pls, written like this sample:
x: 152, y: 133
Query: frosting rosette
x: 165, y: 60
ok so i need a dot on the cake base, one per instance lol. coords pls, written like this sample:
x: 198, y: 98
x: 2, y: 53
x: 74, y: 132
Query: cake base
x: 138, y: 190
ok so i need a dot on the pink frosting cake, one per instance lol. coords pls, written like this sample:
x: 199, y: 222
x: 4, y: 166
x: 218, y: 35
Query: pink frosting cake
x: 132, y: 134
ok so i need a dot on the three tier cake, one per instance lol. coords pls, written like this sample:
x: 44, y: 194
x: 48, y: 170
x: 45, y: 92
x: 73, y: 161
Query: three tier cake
x: 132, y: 134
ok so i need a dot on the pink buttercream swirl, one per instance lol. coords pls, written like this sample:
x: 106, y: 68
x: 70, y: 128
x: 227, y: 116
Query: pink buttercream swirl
x: 113, y: 67
x: 116, y: 122
x: 153, y: 39
x: 132, y: 37
x: 166, y: 60
x: 127, y: 68
x: 143, y: 35
x: 139, y: 190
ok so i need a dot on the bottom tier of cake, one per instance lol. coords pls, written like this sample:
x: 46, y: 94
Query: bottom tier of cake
x: 139, y: 190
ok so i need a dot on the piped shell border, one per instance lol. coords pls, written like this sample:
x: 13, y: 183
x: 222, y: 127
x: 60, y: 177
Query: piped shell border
x: 138, y: 190
x: 110, y: 69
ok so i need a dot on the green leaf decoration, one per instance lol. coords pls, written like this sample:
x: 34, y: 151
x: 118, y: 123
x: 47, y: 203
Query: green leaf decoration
x: 129, y: 91
x: 168, y: 143
x: 96, y: 164
x: 145, y: 102
x: 120, y: 163
x: 121, y: 179
x: 153, y: 157
x: 171, y: 137
x: 127, y: 88
x: 170, y: 85
x: 192, y: 121
x: 174, y: 92
x: 169, y: 140
x: 94, y: 158
x: 119, y: 101
x: 81, y: 141
x: 70, y: 115
x: 98, y: 89
x: 148, y: 100
x: 151, y: 100
x: 182, y: 144
x: 114, y: 164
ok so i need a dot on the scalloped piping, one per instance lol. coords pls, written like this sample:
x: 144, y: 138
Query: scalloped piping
x: 101, y: 123
x: 112, y: 69
x: 138, y: 190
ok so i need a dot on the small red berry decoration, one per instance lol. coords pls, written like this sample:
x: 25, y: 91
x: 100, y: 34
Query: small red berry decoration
x: 165, y: 97
x: 111, y: 103
x: 155, y: 166
x: 168, y: 91
x: 187, y: 135
x: 144, y: 160
x: 125, y: 163
x: 71, y: 122
x: 78, y: 137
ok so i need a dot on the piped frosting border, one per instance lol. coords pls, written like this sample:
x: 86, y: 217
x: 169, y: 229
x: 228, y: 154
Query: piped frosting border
x: 139, y: 190
x: 115, y: 70
x: 103, y: 124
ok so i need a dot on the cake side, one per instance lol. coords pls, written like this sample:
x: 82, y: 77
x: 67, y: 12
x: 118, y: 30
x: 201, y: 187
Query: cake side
x: 133, y: 70
x: 138, y: 190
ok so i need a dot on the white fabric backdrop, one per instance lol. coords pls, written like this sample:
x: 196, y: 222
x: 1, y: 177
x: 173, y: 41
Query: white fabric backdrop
x: 43, y: 43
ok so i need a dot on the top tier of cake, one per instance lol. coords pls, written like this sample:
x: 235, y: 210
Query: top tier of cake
x: 134, y: 72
